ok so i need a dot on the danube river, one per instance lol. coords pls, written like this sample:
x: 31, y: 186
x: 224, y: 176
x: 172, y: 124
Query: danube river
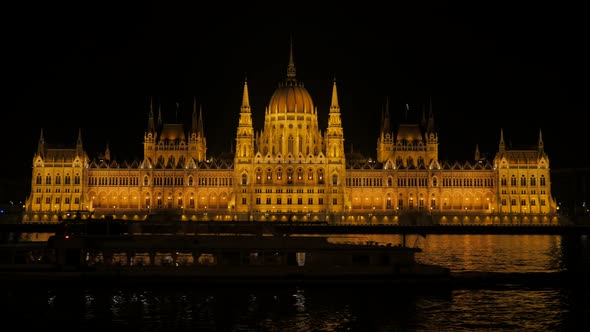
x: 338, y: 308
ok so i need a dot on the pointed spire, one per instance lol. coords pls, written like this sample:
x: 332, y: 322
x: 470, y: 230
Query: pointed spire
x: 430, y: 126
x: 334, y: 107
x: 79, y: 141
x: 502, y: 146
x: 107, y: 153
x: 151, y: 125
x: 200, y: 130
x: 386, y: 121
x: 541, y: 144
x: 41, y: 143
x: 291, y: 69
x: 245, y: 98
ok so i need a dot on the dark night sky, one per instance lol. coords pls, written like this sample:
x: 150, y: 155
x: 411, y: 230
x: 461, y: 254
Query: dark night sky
x: 94, y: 65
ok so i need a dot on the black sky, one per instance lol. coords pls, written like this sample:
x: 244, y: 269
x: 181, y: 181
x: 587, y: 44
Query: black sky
x: 94, y: 65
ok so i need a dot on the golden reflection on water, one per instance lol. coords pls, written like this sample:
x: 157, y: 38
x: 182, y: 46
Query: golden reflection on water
x: 483, y: 252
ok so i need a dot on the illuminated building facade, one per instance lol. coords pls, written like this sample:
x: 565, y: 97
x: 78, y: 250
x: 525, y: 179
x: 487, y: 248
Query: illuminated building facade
x: 291, y: 170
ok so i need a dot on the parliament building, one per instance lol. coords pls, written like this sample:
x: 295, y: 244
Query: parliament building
x: 293, y: 169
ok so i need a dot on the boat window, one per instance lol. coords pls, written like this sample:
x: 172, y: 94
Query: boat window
x: 207, y: 259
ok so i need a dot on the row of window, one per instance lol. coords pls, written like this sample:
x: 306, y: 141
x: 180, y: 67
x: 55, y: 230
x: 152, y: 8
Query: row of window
x: 67, y: 179
x: 350, y: 182
x: 523, y: 181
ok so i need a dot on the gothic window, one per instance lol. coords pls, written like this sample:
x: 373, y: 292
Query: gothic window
x: 190, y: 180
x: 389, y: 182
x: 533, y: 181
x: 542, y: 180
x: 48, y: 179
x: 523, y: 180
x: 67, y: 179
x: 434, y: 182
x: 269, y: 174
x: 513, y: 181
x: 279, y: 174
x: 320, y: 176
x: 38, y: 179
x: 300, y: 174
x: 289, y: 176
x: 77, y: 179
x: 310, y: 174
x: 503, y: 181
x: 191, y: 203
x: 290, y: 145
x: 244, y: 179
x: 258, y: 176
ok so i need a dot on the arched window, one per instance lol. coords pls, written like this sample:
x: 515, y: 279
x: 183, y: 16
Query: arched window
x: 320, y: 176
x: 334, y: 179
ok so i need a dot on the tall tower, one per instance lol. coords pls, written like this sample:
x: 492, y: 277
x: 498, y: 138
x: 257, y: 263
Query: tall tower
x: 197, y: 141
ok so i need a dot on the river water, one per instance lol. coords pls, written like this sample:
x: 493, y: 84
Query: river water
x: 337, y: 308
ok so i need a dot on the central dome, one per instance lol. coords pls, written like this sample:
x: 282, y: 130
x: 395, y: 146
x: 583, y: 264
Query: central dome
x: 291, y: 97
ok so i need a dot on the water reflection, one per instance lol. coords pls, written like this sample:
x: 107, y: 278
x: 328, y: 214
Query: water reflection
x: 489, y: 252
x: 337, y: 307
x: 328, y: 308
